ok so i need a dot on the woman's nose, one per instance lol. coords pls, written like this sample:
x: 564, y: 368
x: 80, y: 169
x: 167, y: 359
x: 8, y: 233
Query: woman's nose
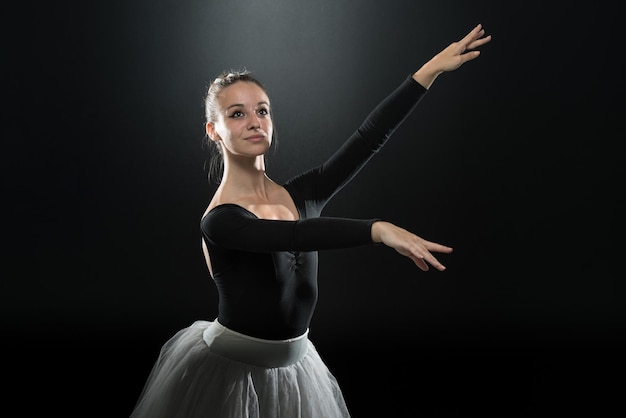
x: 254, y: 123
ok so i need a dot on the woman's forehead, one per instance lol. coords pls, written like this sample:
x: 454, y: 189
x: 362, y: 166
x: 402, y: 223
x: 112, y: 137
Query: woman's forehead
x: 242, y: 92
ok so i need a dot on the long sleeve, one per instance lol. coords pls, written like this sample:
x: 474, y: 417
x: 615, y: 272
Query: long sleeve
x: 235, y: 228
x: 318, y: 185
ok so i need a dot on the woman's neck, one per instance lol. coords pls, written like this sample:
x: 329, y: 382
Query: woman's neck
x: 246, y: 179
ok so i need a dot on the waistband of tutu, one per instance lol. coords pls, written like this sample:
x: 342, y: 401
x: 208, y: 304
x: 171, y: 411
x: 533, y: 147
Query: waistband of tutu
x: 255, y: 351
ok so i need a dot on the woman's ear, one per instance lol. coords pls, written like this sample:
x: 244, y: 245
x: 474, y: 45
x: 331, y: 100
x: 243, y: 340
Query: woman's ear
x: 210, y: 131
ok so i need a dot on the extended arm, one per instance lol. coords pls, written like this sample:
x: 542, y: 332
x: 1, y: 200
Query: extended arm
x: 235, y: 228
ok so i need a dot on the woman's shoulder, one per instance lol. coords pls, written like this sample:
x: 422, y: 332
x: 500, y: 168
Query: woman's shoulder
x: 222, y: 202
x: 225, y: 209
x: 222, y: 219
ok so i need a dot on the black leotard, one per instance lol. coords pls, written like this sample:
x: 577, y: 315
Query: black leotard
x: 266, y: 270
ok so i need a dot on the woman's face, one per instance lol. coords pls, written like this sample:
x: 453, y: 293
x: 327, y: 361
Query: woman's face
x: 244, y: 123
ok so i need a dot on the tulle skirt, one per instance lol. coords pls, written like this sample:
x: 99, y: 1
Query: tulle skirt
x: 209, y: 371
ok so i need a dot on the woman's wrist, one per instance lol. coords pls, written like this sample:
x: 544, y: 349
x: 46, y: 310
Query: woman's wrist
x: 376, y: 231
x: 426, y: 75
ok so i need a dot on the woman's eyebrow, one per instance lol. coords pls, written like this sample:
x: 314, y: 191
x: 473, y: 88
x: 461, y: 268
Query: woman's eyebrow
x: 242, y: 105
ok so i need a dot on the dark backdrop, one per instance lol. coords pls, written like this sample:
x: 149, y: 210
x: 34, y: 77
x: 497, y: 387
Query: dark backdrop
x: 515, y: 160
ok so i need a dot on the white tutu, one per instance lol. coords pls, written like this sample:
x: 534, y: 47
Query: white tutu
x: 209, y: 371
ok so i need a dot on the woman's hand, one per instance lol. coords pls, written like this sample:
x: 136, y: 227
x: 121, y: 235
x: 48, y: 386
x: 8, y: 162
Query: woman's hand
x: 409, y: 244
x: 452, y: 57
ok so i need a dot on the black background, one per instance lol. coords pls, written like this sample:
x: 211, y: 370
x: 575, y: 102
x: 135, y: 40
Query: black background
x: 515, y: 160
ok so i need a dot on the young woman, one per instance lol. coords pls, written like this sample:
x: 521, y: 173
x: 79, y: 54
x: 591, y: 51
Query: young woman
x: 260, y: 240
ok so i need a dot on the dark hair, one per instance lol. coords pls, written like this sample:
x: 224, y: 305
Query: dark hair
x: 225, y: 79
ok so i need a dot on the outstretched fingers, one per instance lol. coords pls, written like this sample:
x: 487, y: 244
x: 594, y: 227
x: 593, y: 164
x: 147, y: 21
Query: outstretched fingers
x: 465, y: 48
x: 452, y: 57
x: 409, y: 245
x: 423, y: 256
x: 475, y: 38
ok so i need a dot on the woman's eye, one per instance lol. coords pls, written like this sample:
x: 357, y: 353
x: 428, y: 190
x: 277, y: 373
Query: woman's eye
x: 237, y: 114
x: 264, y: 112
